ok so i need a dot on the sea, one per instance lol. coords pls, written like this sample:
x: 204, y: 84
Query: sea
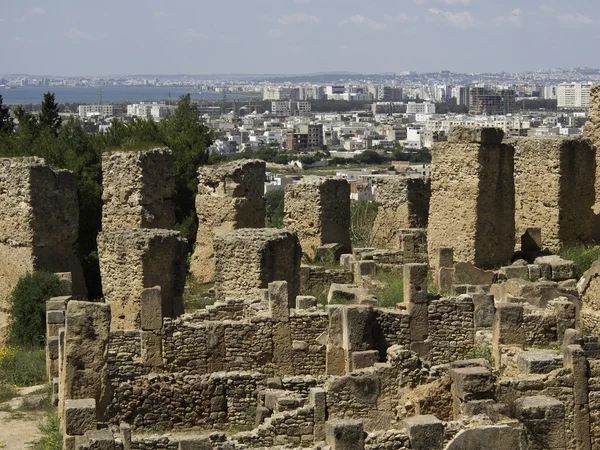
x: 112, y: 94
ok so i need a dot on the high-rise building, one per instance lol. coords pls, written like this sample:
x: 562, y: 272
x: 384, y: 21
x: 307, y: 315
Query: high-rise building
x: 483, y: 101
x: 573, y: 95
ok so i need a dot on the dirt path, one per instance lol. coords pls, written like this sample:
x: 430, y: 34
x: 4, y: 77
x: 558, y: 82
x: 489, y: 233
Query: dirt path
x: 18, y: 430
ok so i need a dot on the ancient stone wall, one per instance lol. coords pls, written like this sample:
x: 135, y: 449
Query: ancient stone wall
x: 451, y: 328
x: 229, y: 197
x: 132, y: 260
x: 39, y: 222
x: 472, y: 197
x: 554, y: 189
x: 318, y: 209
x: 247, y: 260
x: 592, y: 132
x: 402, y: 203
x: 138, y: 190
x: 312, y: 276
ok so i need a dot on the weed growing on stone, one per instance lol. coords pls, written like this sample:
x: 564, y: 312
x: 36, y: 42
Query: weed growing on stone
x: 393, y: 291
x: 21, y: 366
x: 52, y: 437
x: 319, y: 291
x: 7, y: 392
x: 196, y: 295
x: 582, y: 255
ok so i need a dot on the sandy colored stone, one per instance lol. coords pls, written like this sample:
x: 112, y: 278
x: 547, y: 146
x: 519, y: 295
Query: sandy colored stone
x: 137, y: 190
x: 318, y: 209
x: 229, y: 197
x: 554, y: 189
x: 402, y: 203
x: 472, y: 203
x: 133, y: 260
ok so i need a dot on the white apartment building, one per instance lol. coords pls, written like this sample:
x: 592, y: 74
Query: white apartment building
x: 289, y: 108
x: 573, y: 95
x: 154, y: 110
x: 420, y: 108
x: 101, y: 110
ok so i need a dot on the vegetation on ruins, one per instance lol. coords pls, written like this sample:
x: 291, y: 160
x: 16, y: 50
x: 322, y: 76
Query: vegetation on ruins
x: 362, y: 216
x: 51, y: 435
x: 6, y: 120
x: 69, y: 146
x: 275, y: 204
x: 583, y: 256
x: 391, y: 288
x: 21, y: 366
x: 28, y: 307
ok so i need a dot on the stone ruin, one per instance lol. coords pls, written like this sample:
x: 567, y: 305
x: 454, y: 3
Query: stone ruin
x: 403, y: 203
x: 592, y: 132
x: 39, y: 222
x: 229, y: 197
x: 319, y: 211
x: 500, y: 359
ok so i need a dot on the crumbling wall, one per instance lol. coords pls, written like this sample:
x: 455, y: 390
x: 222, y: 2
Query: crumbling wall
x: 554, y: 189
x: 229, y: 197
x: 472, y: 197
x: 451, y: 328
x: 39, y: 222
x: 402, y: 203
x: 318, y: 209
x: 132, y: 260
x: 138, y: 190
x: 592, y: 132
x: 247, y: 260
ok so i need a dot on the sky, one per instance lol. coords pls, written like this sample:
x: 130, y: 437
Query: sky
x: 84, y: 37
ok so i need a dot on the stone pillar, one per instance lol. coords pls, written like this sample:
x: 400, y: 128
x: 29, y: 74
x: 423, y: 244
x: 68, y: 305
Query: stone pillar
x: 247, y: 260
x: 507, y: 330
x: 575, y: 359
x: 472, y: 197
x: 470, y: 386
x: 229, y: 197
x: 415, y: 297
x: 318, y: 400
x: 425, y: 432
x: 55, y: 320
x: 133, y: 260
x: 402, y: 203
x: 592, y: 132
x: 554, y: 189
x: 39, y: 223
x: 544, y: 421
x: 318, y: 209
x: 138, y: 190
x: 282, y: 335
x: 84, y: 368
x: 345, y: 435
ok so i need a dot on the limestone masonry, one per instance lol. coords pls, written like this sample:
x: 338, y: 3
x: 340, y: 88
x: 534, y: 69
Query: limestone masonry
x: 319, y: 211
x: 229, y: 197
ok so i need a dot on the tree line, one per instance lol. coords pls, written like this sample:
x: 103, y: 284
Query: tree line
x: 67, y: 145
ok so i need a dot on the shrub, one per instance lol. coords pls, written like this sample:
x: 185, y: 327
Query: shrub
x: 393, y: 292
x: 362, y: 216
x: 582, y: 255
x: 7, y: 392
x: 22, y: 366
x: 275, y: 209
x: 28, y: 307
x: 52, y: 437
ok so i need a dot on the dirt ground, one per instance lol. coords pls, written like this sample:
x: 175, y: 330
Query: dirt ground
x: 19, y: 429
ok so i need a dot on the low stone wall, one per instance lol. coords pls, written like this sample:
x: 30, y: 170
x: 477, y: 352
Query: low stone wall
x: 311, y: 276
x: 394, y: 328
x: 451, y: 328
x: 388, y: 440
x: 124, y: 353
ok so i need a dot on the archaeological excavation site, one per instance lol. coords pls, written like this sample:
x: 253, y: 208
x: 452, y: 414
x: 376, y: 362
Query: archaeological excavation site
x: 490, y: 339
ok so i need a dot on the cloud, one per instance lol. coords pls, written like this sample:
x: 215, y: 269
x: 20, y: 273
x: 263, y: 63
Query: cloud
x: 445, y: 2
x: 76, y: 33
x: 576, y: 19
x: 400, y: 18
x: 299, y: 18
x: 514, y: 19
x: 302, y: 2
x: 366, y: 22
x: 190, y: 33
x: 275, y: 33
x: 462, y: 20
x: 546, y: 8
x: 37, y: 10
x: 160, y: 14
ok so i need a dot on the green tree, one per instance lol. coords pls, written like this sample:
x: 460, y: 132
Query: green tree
x: 6, y: 121
x: 188, y: 139
x: 49, y: 117
x: 275, y: 209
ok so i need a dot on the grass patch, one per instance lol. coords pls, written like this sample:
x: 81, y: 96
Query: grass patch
x: 392, y: 292
x: 7, y: 392
x: 52, y: 437
x: 341, y: 300
x: 481, y: 351
x: 319, y: 291
x: 582, y: 255
x: 22, y: 366
x: 196, y: 296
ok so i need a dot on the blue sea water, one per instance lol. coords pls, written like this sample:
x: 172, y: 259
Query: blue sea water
x: 113, y: 94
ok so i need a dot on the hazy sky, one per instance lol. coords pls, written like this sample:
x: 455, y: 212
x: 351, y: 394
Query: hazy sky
x: 84, y: 37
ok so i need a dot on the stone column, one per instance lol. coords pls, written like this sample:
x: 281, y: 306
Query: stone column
x: 247, y: 260
x: 472, y: 197
x: 229, y: 197
x: 133, y: 260
x: 282, y: 336
x: 592, y: 132
x: 318, y: 209
x: 415, y: 297
x: 575, y: 359
x: 55, y: 320
x: 544, y: 420
x: 554, y: 189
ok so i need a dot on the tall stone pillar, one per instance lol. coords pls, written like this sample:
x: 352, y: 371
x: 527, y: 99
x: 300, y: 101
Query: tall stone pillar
x: 318, y: 209
x: 592, y: 132
x: 39, y: 223
x: 554, y: 189
x: 472, y: 197
x: 229, y: 197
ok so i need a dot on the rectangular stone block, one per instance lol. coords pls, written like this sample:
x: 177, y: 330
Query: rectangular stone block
x: 57, y: 303
x: 362, y: 360
x: 151, y: 309
x: 538, y: 362
x: 55, y: 317
x: 318, y: 400
x: 425, y: 432
x: 278, y: 301
x: 445, y: 258
x: 507, y: 328
x: 472, y: 383
x: 484, y: 310
x: 445, y: 280
x: 517, y: 272
x: 151, y: 348
x: 475, y: 135
x: 80, y: 416
x: 345, y: 435
x: 100, y: 439
x: 305, y: 302
x: 419, y: 321
x: 415, y: 283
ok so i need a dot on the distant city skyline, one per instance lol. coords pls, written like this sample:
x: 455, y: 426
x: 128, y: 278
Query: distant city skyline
x: 69, y: 37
